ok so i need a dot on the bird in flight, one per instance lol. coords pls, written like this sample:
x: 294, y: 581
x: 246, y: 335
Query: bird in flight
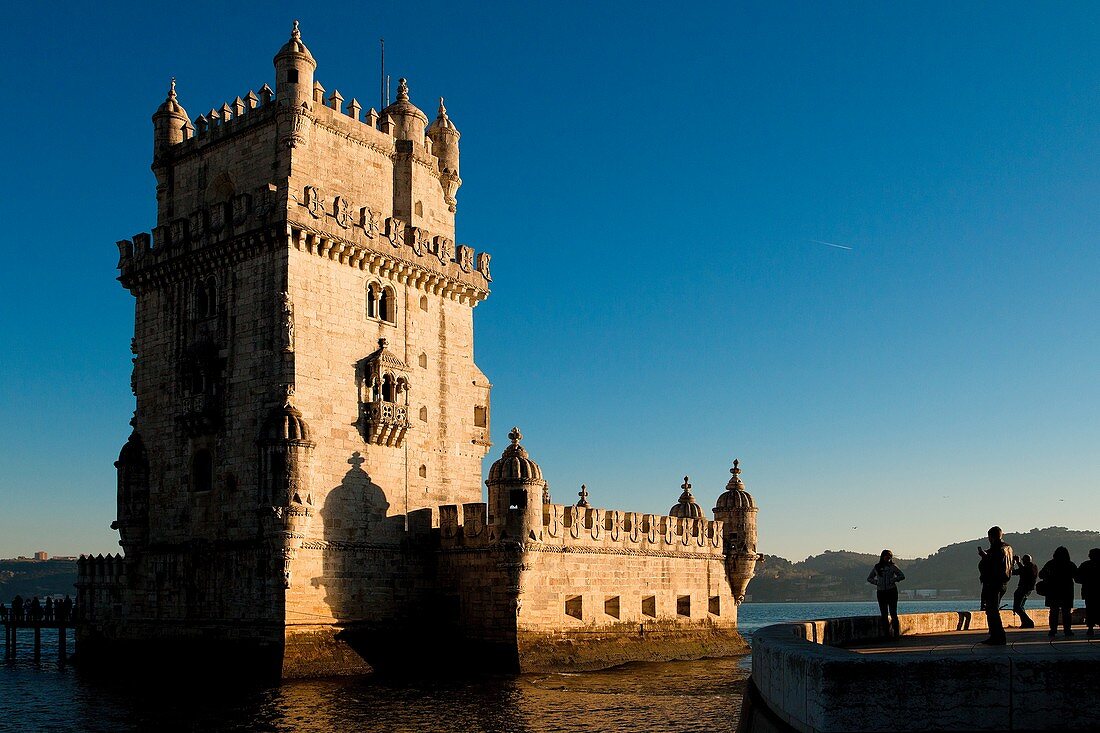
x: 831, y: 244
x: 855, y: 527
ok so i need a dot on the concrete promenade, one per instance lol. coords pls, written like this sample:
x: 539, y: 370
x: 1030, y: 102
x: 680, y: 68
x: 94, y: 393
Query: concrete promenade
x: 1032, y: 643
x: 845, y: 675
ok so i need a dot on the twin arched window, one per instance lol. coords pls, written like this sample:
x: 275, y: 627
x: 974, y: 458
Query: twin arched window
x: 381, y: 302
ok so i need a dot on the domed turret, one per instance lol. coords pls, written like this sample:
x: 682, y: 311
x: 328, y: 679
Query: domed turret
x: 734, y: 497
x: 516, y: 491
x: 444, y: 136
x: 294, y: 67
x: 408, y: 120
x: 170, y: 122
x: 514, y: 466
x: 686, y: 508
x: 284, y: 425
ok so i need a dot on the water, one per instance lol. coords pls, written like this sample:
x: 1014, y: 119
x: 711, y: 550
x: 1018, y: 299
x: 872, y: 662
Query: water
x: 674, y: 696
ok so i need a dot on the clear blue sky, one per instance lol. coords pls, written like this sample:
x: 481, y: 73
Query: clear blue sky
x: 650, y: 179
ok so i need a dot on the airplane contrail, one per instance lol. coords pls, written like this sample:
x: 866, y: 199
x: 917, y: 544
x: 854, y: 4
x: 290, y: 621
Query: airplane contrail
x: 830, y: 244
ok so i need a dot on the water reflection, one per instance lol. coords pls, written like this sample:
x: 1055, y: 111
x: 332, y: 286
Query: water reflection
x: 680, y: 696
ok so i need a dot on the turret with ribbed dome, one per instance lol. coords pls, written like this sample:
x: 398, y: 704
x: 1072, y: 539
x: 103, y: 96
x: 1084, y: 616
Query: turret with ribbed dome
x: 736, y: 509
x: 409, y: 122
x: 294, y: 67
x: 444, y: 136
x: 516, y: 487
x: 170, y: 122
x: 687, y: 507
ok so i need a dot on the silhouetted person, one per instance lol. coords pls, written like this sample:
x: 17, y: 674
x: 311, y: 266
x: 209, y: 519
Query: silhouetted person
x: 67, y: 606
x: 17, y: 608
x: 1057, y: 576
x: 1088, y: 575
x: 1029, y: 573
x: 36, y: 609
x: 49, y: 608
x: 885, y: 576
x: 995, y: 570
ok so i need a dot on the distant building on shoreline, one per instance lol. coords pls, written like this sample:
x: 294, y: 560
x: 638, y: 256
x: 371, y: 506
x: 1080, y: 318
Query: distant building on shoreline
x: 302, y: 487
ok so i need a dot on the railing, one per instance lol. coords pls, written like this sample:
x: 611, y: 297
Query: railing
x: 383, y: 422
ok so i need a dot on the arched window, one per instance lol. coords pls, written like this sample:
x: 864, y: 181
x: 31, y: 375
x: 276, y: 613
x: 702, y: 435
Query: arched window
x: 387, y: 305
x: 373, y: 293
x: 423, y: 302
x: 423, y: 471
x: 202, y: 470
x: 202, y: 300
x: 389, y: 389
x: 211, y: 297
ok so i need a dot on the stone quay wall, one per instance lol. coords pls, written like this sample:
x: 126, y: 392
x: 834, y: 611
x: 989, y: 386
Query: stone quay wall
x: 807, y: 682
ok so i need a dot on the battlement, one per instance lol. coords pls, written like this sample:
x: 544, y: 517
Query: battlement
x: 100, y: 569
x: 576, y: 527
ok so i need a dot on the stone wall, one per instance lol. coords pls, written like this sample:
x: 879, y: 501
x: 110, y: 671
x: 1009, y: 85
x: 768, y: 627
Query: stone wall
x: 810, y: 683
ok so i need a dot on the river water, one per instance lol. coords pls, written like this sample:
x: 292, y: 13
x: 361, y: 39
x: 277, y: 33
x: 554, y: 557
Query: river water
x: 674, y: 696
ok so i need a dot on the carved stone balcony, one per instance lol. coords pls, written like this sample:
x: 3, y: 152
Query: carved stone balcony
x: 384, y: 423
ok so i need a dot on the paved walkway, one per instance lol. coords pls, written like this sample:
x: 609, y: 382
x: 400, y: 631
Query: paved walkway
x: 1030, y: 642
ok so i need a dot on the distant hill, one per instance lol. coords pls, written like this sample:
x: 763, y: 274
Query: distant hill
x: 29, y: 578
x: 950, y: 572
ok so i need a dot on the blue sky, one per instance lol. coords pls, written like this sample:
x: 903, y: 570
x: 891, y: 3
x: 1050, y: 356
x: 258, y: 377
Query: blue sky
x: 650, y: 181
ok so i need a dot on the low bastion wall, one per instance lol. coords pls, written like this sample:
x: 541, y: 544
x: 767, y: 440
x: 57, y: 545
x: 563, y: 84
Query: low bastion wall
x: 808, y: 681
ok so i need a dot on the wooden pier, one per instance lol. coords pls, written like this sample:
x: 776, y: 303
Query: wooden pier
x: 11, y: 637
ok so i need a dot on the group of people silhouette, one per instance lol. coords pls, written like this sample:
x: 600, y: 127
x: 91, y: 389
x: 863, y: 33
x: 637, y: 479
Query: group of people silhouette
x: 35, y: 611
x: 997, y: 564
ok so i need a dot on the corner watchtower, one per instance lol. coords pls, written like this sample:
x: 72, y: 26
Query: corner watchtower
x: 294, y: 67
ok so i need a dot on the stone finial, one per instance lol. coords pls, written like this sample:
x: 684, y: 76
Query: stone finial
x: 402, y: 90
x: 583, y: 494
x: 251, y: 100
x: 735, y: 482
x: 238, y: 107
x: 226, y: 112
x: 515, y: 436
x: 318, y: 93
x: 442, y: 109
x: 295, y: 33
x: 686, y: 486
x: 213, y: 117
x: 172, y: 90
x: 336, y: 100
x: 372, y: 117
x: 354, y: 108
x: 266, y: 94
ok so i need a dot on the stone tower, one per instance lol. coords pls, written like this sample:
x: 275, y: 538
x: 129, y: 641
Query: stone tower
x: 303, y: 354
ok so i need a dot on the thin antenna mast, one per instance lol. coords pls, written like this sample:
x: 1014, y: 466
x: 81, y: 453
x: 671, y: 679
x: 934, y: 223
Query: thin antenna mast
x: 382, y: 78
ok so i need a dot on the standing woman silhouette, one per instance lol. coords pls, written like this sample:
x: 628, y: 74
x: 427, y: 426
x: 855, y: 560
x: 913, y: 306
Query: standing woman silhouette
x: 885, y: 576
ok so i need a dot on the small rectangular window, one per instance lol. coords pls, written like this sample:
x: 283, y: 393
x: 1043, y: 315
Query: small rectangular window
x: 683, y: 606
x: 292, y: 76
x: 574, y: 607
x: 611, y: 606
x: 714, y: 606
x: 649, y: 606
x: 481, y: 417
